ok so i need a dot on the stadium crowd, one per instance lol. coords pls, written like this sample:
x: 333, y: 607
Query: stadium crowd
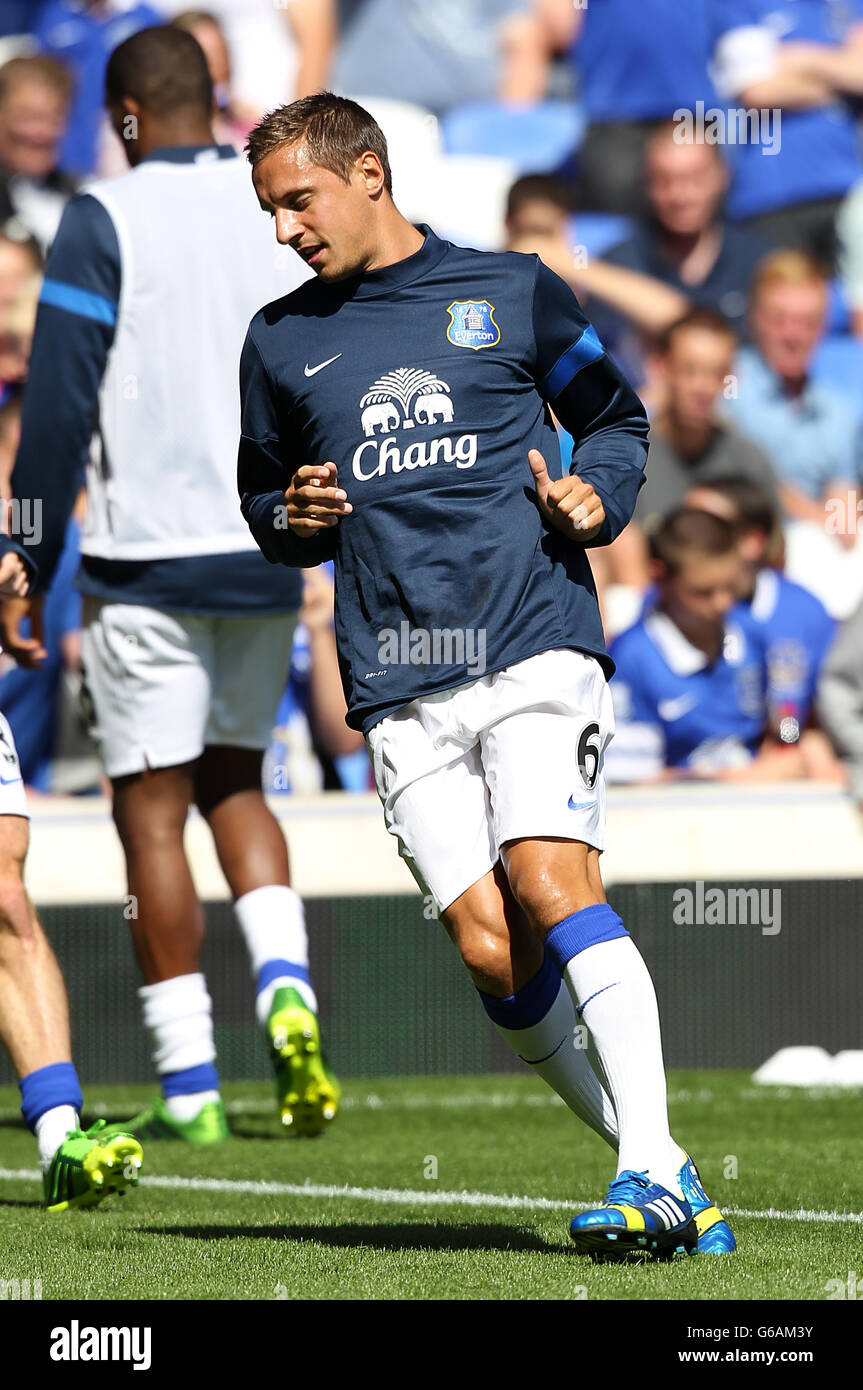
x: 699, y: 183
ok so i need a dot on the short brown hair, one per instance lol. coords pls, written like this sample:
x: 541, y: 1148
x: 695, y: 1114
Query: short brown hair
x: 688, y: 532
x: 50, y: 72
x: 705, y: 319
x: 334, y: 130
x: 540, y: 187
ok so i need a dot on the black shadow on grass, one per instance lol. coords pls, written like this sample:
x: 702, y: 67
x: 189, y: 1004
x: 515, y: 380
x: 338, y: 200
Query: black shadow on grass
x: 400, y: 1235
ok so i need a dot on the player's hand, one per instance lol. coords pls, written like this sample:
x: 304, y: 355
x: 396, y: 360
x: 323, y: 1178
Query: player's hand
x: 14, y: 576
x: 29, y: 651
x: 314, y: 500
x: 567, y: 504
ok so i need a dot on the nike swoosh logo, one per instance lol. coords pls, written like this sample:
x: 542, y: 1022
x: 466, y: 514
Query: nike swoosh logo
x: 580, y: 805
x: 313, y: 371
x: 676, y: 708
x: 7, y: 781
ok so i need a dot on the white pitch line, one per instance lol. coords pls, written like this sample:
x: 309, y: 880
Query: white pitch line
x: 400, y: 1196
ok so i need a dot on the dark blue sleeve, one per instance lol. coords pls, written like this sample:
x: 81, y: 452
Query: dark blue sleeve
x: 592, y: 399
x: 74, y: 332
x: 263, y: 474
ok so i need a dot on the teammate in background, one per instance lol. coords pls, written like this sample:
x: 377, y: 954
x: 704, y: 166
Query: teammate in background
x: 469, y: 637
x: 186, y: 630
x: 792, y: 625
x: 79, y: 1167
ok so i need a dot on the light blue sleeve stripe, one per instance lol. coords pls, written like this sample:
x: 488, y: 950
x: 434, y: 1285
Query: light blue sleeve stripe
x: 581, y: 354
x: 77, y: 301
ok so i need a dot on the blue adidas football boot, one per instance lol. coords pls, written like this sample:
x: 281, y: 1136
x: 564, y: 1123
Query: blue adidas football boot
x: 637, y: 1217
x: 715, y: 1236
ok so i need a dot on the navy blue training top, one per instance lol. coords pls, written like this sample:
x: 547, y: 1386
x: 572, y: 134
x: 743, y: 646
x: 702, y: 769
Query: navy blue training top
x: 427, y: 382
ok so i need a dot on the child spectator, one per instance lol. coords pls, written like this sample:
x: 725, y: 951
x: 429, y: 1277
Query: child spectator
x: 792, y: 625
x: 689, y: 687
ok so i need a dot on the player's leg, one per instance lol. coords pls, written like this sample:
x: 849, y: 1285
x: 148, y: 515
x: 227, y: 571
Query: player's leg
x: 150, y: 810
x: 549, y: 821
x: 147, y: 680
x: 429, y: 775
x: 523, y: 994
x: 34, y: 1027
x: 555, y: 883
x: 254, y: 858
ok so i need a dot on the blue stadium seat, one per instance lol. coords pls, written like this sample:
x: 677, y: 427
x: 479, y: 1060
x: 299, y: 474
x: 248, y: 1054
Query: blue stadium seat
x: 535, y: 138
x: 838, y: 364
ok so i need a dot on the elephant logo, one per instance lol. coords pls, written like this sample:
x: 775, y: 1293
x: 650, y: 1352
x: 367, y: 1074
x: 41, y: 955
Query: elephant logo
x: 433, y: 407
x: 405, y: 397
x: 379, y: 413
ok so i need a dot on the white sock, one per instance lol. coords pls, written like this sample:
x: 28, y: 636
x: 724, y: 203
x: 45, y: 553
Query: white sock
x: 185, y: 1108
x: 566, y: 1068
x: 51, y: 1130
x: 178, y: 1014
x: 614, y: 995
x: 273, y: 922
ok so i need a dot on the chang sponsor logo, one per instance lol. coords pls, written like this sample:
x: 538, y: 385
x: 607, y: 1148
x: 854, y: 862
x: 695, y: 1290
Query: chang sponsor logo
x: 398, y: 401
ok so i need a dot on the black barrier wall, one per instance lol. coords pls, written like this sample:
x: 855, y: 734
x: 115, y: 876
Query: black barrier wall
x: 394, y: 999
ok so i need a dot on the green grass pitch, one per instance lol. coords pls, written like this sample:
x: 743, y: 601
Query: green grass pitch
x: 425, y: 1167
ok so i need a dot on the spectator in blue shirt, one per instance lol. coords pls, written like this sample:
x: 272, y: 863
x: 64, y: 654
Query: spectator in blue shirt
x: 19, y: 16
x: 637, y: 63
x: 809, y: 433
x: 793, y: 626
x: 82, y: 34
x: 686, y: 242
x: 804, y: 57
x: 689, y: 685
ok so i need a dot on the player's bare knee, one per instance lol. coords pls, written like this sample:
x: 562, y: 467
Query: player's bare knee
x: 148, y: 832
x: 539, y: 894
x: 484, y: 952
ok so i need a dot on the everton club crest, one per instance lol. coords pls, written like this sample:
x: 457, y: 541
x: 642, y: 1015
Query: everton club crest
x: 472, y: 324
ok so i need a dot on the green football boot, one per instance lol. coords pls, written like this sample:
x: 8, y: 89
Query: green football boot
x: 210, y: 1125
x: 306, y: 1090
x: 89, y: 1165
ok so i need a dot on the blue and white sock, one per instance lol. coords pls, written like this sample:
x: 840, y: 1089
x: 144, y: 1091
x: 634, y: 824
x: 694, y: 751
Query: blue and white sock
x: 613, y: 994
x: 273, y: 922
x: 178, y: 1014
x: 51, y: 1103
x: 538, y: 1023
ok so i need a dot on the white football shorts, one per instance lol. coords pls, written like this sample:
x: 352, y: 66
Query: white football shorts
x: 13, y: 799
x: 514, y: 755
x: 160, y: 687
